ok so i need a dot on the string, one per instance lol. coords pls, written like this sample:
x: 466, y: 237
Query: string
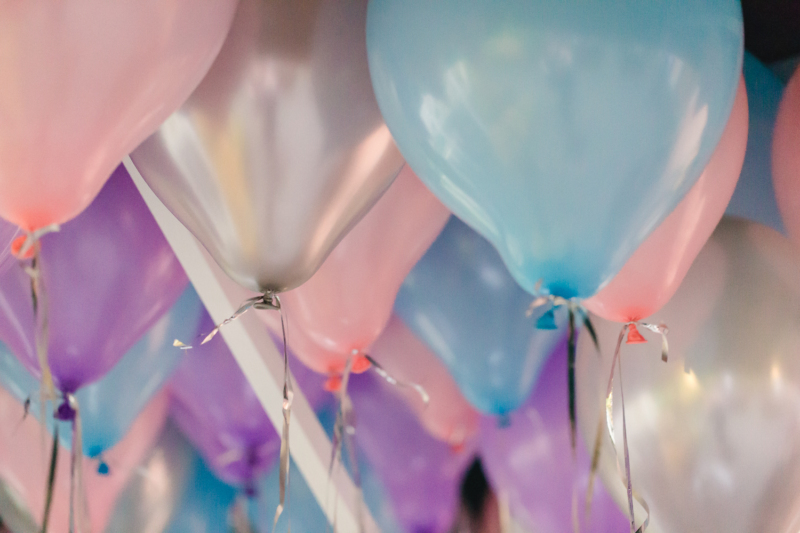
x: 288, y: 396
x: 383, y: 373
x: 51, y: 480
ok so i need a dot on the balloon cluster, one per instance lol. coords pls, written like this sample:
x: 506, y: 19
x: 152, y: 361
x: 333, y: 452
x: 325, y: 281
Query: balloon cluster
x: 588, y: 152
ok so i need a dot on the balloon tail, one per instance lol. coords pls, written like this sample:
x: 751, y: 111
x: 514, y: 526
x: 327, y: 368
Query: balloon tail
x: 571, y: 354
x: 627, y: 459
x: 266, y: 301
x: 634, y: 337
x: 274, y: 302
x: 51, y: 480
x: 378, y: 369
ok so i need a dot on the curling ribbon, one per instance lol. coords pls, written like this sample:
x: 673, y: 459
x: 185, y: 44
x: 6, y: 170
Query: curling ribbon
x: 288, y: 395
x: 547, y: 321
x: 26, y: 247
x: 633, y: 337
x: 69, y: 411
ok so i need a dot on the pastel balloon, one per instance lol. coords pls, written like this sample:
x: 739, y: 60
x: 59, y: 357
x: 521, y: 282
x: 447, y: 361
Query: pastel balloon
x: 786, y: 157
x: 109, y: 406
x: 530, y: 462
x: 215, y: 407
x: 109, y: 276
x: 714, y: 433
x: 342, y: 309
x: 461, y: 301
x: 24, y: 465
x: 424, y: 492
x: 447, y: 415
x: 653, y: 273
x: 282, y: 148
x: 754, y: 197
x: 564, y: 133
x: 83, y: 83
x: 150, y: 500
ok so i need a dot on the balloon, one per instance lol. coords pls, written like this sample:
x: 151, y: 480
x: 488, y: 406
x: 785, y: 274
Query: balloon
x: 653, y: 273
x: 282, y: 148
x: 109, y: 406
x: 714, y: 434
x: 24, y: 462
x: 530, y: 461
x: 83, y: 83
x: 422, y: 475
x: 109, y: 276
x: 754, y: 197
x: 447, y: 415
x: 215, y: 407
x: 564, y: 133
x: 151, y: 498
x: 461, y: 301
x: 786, y: 156
x: 205, y: 505
x: 343, y: 308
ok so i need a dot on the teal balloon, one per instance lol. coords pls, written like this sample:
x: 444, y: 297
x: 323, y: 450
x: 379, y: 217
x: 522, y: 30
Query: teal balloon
x: 109, y: 406
x: 563, y: 131
x: 462, y: 302
x: 754, y: 197
x: 205, y: 504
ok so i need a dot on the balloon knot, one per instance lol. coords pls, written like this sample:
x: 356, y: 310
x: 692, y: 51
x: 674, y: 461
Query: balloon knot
x: 250, y: 489
x: 17, y: 248
x: 333, y: 383
x: 103, y: 469
x: 547, y: 320
x: 65, y: 411
x: 634, y: 337
x: 360, y: 364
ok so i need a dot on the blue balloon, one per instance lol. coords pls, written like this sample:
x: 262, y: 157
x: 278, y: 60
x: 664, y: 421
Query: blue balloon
x: 110, y: 405
x: 462, y: 302
x: 205, y: 504
x: 754, y: 197
x: 563, y: 131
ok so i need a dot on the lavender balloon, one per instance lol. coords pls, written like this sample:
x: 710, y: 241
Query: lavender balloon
x: 109, y: 275
x: 214, y: 405
x: 422, y: 475
x: 530, y: 461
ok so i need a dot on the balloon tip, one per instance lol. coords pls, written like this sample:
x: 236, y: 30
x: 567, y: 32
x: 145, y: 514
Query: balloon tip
x: 634, y: 337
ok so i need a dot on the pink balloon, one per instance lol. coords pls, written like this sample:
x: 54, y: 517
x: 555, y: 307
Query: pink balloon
x: 448, y: 416
x: 786, y: 157
x: 24, y: 463
x: 653, y: 273
x: 342, y: 309
x: 82, y: 83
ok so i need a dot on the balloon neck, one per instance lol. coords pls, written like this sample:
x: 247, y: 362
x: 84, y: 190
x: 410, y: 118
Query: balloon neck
x: 360, y: 364
x: 65, y: 412
x: 17, y: 246
x: 634, y: 337
x: 102, y: 468
x: 547, y: 320
x: 333, y: 383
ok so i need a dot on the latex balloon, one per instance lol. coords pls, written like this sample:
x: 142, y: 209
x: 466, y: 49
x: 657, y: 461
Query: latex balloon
x: 447, y: 415
x: 214, y: 405
x: 150, y: 499
x: 282, y: 148
x: 563, y: 133
x: 754, y: 197
x: 530, y: 463
x: 83, y: 83
x: 462, y: 302
x: 24, y: 462
x: 109, y: 406
x: 205, y: 505
x: 109, y: 276
x: 786, y: 157
x: 714, y: 434
x: 653, y: 273
x: 422, y: 475
x: 342, y: 309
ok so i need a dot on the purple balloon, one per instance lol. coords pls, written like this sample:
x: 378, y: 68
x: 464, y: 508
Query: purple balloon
x: 422, y: 475
x: 530, y: 460
x: 215, y: 407
x: 109, y: 275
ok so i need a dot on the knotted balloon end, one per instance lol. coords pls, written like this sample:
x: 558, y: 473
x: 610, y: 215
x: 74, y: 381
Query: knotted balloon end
x: 102, y: 468
x: 634, y: 337
x: 65, y: 411
x: 361, y: 364
x: 547, y: 320
x: 17, y: 246
x: 333, y: 383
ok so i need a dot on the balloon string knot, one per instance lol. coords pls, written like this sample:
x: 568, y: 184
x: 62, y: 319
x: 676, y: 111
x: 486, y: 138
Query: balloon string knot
x: 66, y: 410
